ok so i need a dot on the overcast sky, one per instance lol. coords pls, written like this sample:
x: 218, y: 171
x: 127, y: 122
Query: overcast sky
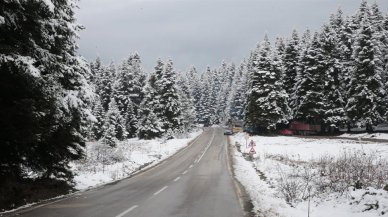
x: 195, y: 32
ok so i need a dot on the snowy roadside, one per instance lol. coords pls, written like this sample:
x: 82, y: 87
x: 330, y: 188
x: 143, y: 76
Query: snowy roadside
x: 288, y: 172
x: 103, y: 164
x: 365, y: 136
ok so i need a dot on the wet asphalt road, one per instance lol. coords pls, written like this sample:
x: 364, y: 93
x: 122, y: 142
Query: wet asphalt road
x: 196, y: 182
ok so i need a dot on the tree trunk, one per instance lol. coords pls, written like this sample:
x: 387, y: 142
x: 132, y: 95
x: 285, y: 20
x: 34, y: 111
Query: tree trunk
x: 369, y: 128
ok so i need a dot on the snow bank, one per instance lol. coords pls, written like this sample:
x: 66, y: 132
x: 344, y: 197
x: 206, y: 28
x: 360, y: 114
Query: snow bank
x: 104, y: 164
x: 365, y: 136
x: 306, y: 149
x: 282, y: 162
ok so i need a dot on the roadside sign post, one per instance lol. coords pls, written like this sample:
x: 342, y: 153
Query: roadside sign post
x: 252, y: 150
x: 246, y: 139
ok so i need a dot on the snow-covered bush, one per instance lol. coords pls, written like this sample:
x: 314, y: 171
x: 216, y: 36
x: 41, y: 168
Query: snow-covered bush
x: 350, y: 170
x: 354, y: 168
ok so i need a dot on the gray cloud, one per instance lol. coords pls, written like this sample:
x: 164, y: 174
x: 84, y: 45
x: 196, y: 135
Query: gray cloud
x: 195, y: 32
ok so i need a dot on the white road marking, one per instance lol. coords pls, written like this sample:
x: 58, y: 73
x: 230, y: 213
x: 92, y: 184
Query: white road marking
x: 191, y: 166
x: 184, y: 172
x: 158, y: 192
x: 177, y: 178
x: 208, y: 146
x: 127, y: 211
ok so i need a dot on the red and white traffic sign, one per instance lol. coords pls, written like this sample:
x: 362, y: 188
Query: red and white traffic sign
x: 252, y: 144
x: 252, y: 151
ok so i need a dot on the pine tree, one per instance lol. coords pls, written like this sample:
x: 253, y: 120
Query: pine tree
x: 334, y: 104
x: 128, y: 91
x: 96, y: 69
x: 268, y: 99
x: 309, y: 103
x: 238, y: 100
x: 188, y: 114
x: 290, y: 62
x: 98, y: 125
x: 226, y: 74
x: 196, y: 86
x: 114, y: 125
x: 366, y: 102
x: 105, y: 85
x: 168, y: 98
x: 44, y: 92
x: 150, y: 125
x: 204, y: 110
x: 344, y: 42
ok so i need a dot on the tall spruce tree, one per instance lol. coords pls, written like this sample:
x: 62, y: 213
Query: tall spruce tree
x: 104, y: 85
x: 44, y: 93
x: 188, y: 114
x: 97, y: 127
x: 334, y: 105
x: 114, y: 125
x: 366, y: 104
x: 309, y: 104
x: 128, y: 91
x: 168, y: 98
x: 267, y: 98
x: 150, y: 126
x: 290, y: 62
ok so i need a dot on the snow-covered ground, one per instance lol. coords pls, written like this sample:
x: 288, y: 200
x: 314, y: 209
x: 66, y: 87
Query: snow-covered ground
x: 104, y: 164
x: 287, y: 172
x: 366, y: 136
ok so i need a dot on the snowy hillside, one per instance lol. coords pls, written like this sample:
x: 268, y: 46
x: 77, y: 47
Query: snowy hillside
x: 339, y: 177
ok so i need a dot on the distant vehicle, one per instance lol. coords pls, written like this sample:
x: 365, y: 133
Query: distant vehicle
x: 303, y: 128
x: 286, y: 132
x: 228, y: 132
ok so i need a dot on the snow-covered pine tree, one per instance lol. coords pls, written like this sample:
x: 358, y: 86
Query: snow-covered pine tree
x: 310, y: 84
x: 188, y: 115
x: 214, y: 88
x: 44, y: 92
x: 150, y: 126
x: 385, y: 55
x: 280, y: 48
x: 204, y: 106
x: 250, y: 112
x: 114, y: 125
x: 168, y: 98
x: 96, y: 69
x: 226, y: 74
x: 269, y: 98
x: 128, y: 91
x: 366, y: 105
x: 290, y: 60
x: 334, y: 104
x: 344, y: 42
x: 238, y: 99
x: 104, y: 86
x: 195, y: 85
x: 381, y: 29
x: 97, y: 127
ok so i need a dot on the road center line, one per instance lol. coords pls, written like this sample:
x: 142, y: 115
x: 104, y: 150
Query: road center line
x: 184, y: 172
x: 127, y: 211
x: 191, y: 166
x: 177, y: 178
x: 208, y: 146
x: 158, y: 192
